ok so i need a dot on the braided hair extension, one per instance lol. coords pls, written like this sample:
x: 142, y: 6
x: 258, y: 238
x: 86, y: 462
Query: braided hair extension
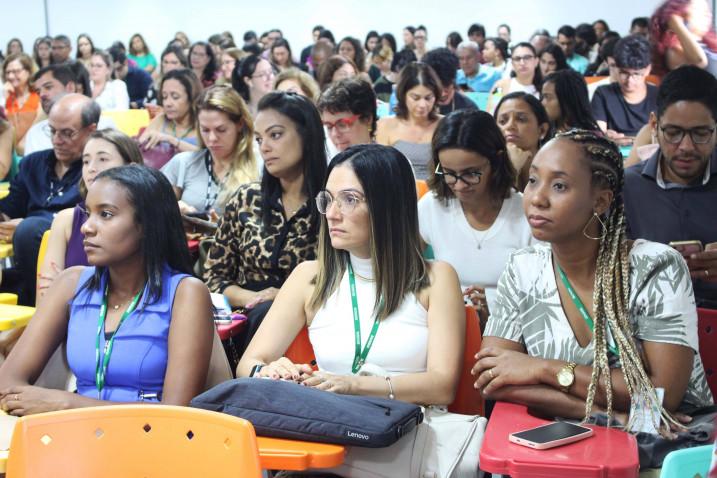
x: 612, y: 283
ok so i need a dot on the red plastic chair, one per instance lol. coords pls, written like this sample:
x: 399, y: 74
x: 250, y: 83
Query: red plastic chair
x: 707, y: 333
x: 468, y: 400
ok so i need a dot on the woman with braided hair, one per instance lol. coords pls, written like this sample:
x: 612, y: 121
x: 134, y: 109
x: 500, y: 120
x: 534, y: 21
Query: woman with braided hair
x: 590, y: 322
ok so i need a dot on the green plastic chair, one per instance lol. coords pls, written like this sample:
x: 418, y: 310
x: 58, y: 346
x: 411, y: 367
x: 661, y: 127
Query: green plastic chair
x: 687, y: 463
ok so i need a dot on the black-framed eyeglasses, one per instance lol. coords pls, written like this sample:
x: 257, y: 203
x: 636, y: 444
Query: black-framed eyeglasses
x: 698, y: 135
x: 347, y: 201
x: 471, y: 178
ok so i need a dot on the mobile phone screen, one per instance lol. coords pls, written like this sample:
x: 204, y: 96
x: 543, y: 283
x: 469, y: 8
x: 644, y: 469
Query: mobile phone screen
x: 551, y: 432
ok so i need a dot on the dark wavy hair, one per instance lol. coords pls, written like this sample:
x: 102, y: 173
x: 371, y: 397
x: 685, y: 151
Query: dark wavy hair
x: 369, y: 35
x: 302, y: 112
x: 156, y: 212
x: 359, y: 58
x: 390, y: 191
x: 78, y: 55
x: 572, y: 94
x: 178, y: 52
x: 558, y: 55
x: 412, y: 75
x: 353, y: 95
x: 245, y: 69
x: 475, y: 131
x: 210, y: 69
x: 688, y: 83
x: 192, y: 87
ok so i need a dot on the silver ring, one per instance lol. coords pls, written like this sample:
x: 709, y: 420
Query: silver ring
x: 17, y: 397
x: 707, y: 272
x: 490, y: 372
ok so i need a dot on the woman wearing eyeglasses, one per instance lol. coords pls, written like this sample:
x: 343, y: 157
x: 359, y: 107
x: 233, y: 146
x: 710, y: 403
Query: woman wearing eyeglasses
x: 526, y: 75
x: 371, y: 301
x: 253, y: 78
x: 268, y: 228
x: 348, y: 111
x: 472, y: 196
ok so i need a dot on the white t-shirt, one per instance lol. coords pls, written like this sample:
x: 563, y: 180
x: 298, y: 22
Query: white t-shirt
x: 37, y: 139
x: 114, y: 96
x: 479, y: 257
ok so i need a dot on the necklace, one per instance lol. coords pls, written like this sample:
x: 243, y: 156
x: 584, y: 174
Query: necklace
x: 184, y: 135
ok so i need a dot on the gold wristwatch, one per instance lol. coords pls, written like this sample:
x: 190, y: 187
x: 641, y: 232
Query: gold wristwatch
x: 566, y: 376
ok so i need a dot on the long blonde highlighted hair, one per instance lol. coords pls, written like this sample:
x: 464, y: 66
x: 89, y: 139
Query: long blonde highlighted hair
x: 243, y: 168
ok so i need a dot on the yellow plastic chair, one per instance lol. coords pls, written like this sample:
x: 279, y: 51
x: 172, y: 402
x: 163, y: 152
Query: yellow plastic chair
x: 122, y: 441
x: 130, y: 121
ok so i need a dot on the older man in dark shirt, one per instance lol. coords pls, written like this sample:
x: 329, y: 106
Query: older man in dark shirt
x: 45, y: 184
x: 673, y: 195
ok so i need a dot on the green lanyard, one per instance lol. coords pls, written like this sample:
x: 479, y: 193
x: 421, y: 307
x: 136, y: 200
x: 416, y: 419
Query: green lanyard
x: 579, y: 304
x: 359, y: 355
x: 101, y: 365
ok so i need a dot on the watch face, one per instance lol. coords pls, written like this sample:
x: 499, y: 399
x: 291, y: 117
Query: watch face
x: 565, y: 378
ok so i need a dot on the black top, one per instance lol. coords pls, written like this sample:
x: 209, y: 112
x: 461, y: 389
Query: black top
x: 610, y: 106
x: 138, y: 82
x: 460, y: 102
x: 37, y: 191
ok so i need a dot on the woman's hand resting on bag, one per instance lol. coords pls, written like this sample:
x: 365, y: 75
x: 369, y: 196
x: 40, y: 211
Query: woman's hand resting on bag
x: 342, y: 384
x: 285, y: 369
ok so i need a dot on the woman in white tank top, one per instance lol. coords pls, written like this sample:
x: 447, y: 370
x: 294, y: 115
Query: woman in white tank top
x: 382, y: 321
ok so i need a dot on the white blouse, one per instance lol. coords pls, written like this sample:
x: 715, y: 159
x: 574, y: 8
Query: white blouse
x: 401, y: 343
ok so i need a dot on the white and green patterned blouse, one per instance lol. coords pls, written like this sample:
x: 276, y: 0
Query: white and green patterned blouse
x: 661, y: 309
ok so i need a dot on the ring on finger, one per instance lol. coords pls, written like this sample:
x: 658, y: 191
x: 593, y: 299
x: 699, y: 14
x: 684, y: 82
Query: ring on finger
x: 490, y: 372
x: 707, y: 272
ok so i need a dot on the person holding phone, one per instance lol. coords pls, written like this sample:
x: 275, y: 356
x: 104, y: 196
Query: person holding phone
x: 671, y: 197
x: 590, y: 321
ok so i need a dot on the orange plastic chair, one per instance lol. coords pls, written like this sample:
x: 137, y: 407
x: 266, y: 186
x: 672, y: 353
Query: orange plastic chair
x: 120, y: 441
x: 594, y: 79
x: 468, y: 400
x: 301, y: 350
x: 707, y: 333
x: 421, y: 188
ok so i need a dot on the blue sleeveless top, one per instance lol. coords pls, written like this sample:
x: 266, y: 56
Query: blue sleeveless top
x: 139, y: 357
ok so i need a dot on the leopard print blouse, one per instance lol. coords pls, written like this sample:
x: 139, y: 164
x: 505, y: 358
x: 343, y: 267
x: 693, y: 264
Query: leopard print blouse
x: 246, y: 254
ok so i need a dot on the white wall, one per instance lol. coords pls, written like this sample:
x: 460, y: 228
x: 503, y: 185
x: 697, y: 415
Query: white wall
x: 157, y: 20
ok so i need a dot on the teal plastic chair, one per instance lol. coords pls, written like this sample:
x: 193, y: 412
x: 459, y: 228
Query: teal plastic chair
x: 687, y: 463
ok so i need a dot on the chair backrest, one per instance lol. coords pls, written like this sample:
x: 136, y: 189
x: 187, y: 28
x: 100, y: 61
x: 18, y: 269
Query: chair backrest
x: 707, y: 333
x: 468, y: 400
x: 133, y: 440
x: 129, y: 121
x: 421, y: 188
x: 43, y: 249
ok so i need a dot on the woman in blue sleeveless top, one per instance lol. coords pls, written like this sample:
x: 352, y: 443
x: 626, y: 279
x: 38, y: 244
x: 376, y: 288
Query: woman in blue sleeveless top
x: 137, y: 326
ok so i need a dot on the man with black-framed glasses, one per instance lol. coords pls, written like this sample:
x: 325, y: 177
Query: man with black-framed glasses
x: 672, y: 196
x: 46, y: 183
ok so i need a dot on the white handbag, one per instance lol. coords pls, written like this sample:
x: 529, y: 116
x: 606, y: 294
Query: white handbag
x: 445, y: 445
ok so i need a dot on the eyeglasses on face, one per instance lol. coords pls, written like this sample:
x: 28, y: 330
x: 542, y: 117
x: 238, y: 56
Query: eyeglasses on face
x: 342, y: 125
x: 470, y: 178
x: 66, y: 134
x: 635, y: 74
x: 698, y: 135
x: 522, y: 59
x: 347, y: 201
x: 267, y: 75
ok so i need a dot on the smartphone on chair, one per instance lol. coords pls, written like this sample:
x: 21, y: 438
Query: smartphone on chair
x: 551, y: 435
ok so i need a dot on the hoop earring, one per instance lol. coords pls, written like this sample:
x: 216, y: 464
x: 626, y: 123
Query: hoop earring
x: 602, y: 226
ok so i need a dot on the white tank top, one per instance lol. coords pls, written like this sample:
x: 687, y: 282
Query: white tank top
x: 401, y: 343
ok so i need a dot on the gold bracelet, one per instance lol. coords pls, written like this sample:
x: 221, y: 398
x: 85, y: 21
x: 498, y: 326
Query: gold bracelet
x: 391, y: 396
